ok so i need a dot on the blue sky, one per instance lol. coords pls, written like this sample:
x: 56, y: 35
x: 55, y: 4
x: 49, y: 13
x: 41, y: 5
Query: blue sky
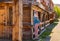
x: 56, y: 1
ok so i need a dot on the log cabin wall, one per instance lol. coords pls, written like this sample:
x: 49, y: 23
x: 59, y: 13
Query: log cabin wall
x: 9, y: 20
x: 15, y: 22
x: 27, y: 23
x: 5, y: 25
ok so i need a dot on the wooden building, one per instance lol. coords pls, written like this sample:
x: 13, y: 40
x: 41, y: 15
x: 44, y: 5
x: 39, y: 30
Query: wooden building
x: 16, y: 18
x: 11, y: 20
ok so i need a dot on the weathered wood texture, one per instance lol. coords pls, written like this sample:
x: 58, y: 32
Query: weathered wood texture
x: 26, y: 23
x: 11, y: 13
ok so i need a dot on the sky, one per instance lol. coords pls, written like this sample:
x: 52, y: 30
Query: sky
x: 56, y: 1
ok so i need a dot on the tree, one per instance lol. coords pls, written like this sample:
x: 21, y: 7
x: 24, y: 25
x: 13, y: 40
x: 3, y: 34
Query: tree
x: 57, y: 9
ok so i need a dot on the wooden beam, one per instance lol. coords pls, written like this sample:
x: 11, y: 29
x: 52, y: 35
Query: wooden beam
x: 36, y: 8
x: 20, y: 19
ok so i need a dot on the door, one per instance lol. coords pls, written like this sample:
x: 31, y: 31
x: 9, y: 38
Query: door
x: 5, y: 23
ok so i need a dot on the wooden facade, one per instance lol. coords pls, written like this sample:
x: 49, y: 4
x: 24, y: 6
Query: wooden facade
x: 11, y: 20
x: 16, y: 18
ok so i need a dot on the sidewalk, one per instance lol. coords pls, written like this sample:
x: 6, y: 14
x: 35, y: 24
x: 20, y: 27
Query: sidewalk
x: 55, y: 35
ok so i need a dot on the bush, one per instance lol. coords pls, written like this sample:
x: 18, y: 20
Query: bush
x: 57, y: 9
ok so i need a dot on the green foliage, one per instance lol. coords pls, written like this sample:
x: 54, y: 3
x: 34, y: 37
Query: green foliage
x: 57, y: 9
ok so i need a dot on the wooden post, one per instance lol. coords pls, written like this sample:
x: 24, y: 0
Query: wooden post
x: 31, y: 16
x: 20, y: 19
x: 17, y: 28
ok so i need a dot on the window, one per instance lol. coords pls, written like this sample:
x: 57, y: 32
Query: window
x: 10, y: 16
